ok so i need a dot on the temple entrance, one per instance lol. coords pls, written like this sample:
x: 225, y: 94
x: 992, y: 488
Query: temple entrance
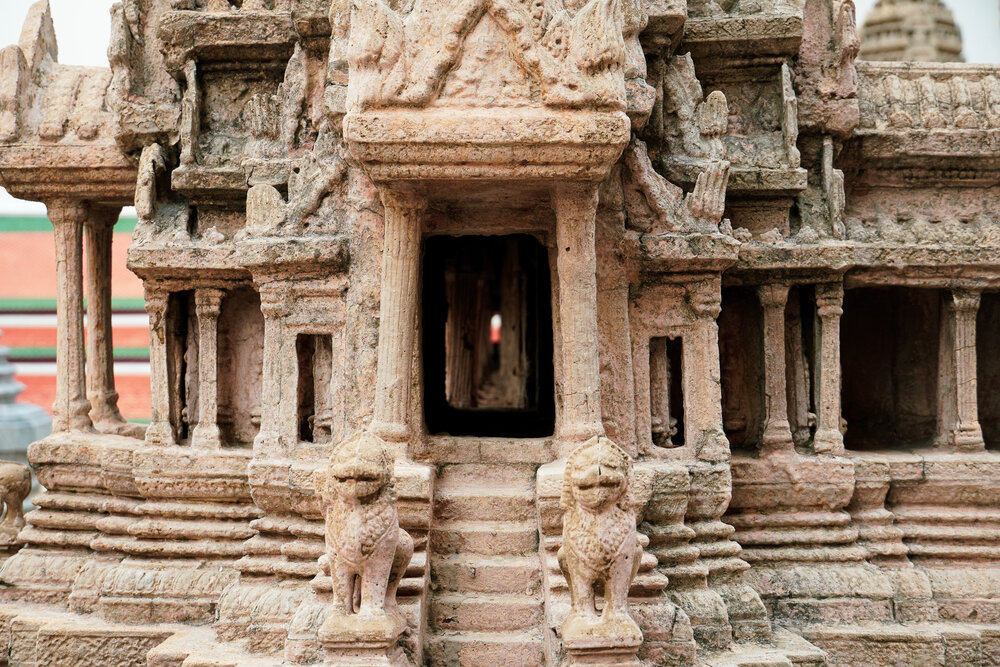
x: 487, y: 337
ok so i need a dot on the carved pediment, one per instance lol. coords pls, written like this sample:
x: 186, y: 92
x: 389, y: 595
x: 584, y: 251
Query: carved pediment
x: 544, y: 52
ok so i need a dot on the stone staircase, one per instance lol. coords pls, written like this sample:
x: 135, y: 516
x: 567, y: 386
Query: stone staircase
x: 486, y: 601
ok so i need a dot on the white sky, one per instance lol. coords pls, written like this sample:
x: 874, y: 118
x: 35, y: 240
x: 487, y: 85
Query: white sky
x: 83, y: 28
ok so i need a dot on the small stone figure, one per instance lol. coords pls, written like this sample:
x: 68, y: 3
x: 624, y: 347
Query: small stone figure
x: 15, y: 485
x: 367, y: 551
x: 599, y: 546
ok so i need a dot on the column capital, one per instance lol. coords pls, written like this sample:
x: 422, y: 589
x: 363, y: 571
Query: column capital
x: 156, y: 296
x: 67, y: 211
x: 773, y: 296
x: 830, y: 299
x: 102, y: 215
x: 575, y: 193
x: 402, y: 199
x: 208, y: 301
x: 705, y: 304
x: 275, y: 302
x: 965, y: 299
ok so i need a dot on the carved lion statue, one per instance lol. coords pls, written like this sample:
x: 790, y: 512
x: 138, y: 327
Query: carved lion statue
x: 15, y: 485
x: 599, y: 541
x: 367, y: 551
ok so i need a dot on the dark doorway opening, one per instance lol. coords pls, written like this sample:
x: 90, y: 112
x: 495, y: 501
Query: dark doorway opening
x: 889, y: 354
x: 487, y: 337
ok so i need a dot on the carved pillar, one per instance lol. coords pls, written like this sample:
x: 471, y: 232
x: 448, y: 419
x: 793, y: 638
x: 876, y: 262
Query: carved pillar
x: 959, y: 411
x: 703, y: 423
x: 576, y: 262
x: 71, y: 408
x: 397, y: 315
x: 659, y: 392
x: 100, y: 352
x: 208, y: 302
x: 777, y: 435
x: 160, y: 430
x: 797, y: 373
x: 829, y: 308
x: 277, y: 384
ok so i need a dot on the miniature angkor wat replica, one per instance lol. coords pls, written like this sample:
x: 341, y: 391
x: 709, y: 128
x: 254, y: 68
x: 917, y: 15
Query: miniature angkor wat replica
x: 512, y: 333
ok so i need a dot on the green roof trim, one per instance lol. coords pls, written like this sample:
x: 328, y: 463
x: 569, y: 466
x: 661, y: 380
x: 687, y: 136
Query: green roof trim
x: 42, y: 224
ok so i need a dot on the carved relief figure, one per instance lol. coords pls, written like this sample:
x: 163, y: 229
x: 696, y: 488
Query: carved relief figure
x: 398, y: 56
x: 15, y: 485
x: 599, y: 542
x: 367, y: 551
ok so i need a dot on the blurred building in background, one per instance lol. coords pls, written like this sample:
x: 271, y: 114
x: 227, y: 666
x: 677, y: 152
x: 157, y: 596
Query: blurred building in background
x: 914, y: 30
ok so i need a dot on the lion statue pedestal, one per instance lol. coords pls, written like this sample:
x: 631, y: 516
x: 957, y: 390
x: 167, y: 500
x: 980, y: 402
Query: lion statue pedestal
x: 600, y: 551
x: 367, y: 555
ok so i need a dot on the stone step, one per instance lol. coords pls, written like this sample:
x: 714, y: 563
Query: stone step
x: 485, y: 537
x: 746, y: 656
x: 498, y: 451
x: 797, y: 649
x: 485, y: 649
x: 494, y: 574
x: 484, y: 504
x: 890, y: 644
x: 787, y: 650
x: 485, y: 612
x: 485, y: 475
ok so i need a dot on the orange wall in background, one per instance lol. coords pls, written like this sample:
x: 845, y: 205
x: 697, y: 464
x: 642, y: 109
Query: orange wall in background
x: 28, y: 266
x: 27, y: 315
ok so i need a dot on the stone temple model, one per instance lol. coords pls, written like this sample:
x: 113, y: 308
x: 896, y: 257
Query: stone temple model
x: 514, y: 333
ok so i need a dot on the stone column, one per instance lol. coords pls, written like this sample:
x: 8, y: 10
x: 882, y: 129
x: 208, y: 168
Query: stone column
x: 703, y: 388
x: 208, y: 301
x: 777, y: 435
x: 71, y: 408
x: 575, y: 206
x: 100, y: 352
x: 397, y: 315
x: 160, y: 430
x: 659, y: 392
x: 277, y: 382
x: 962, y: 310
x: 829, y: 308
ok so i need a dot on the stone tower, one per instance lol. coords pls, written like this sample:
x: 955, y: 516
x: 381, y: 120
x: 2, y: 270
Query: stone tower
x: 918, y: 30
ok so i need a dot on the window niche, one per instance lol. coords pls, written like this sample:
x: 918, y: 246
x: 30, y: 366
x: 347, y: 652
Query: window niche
x: 487, y: 337
x: 241, y: 366
x: 666, y: 391
x: 315, y: 362
x: 741, y: 344
x: 741, y: 358
x: 890, y: 339
x: 182, y: 363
